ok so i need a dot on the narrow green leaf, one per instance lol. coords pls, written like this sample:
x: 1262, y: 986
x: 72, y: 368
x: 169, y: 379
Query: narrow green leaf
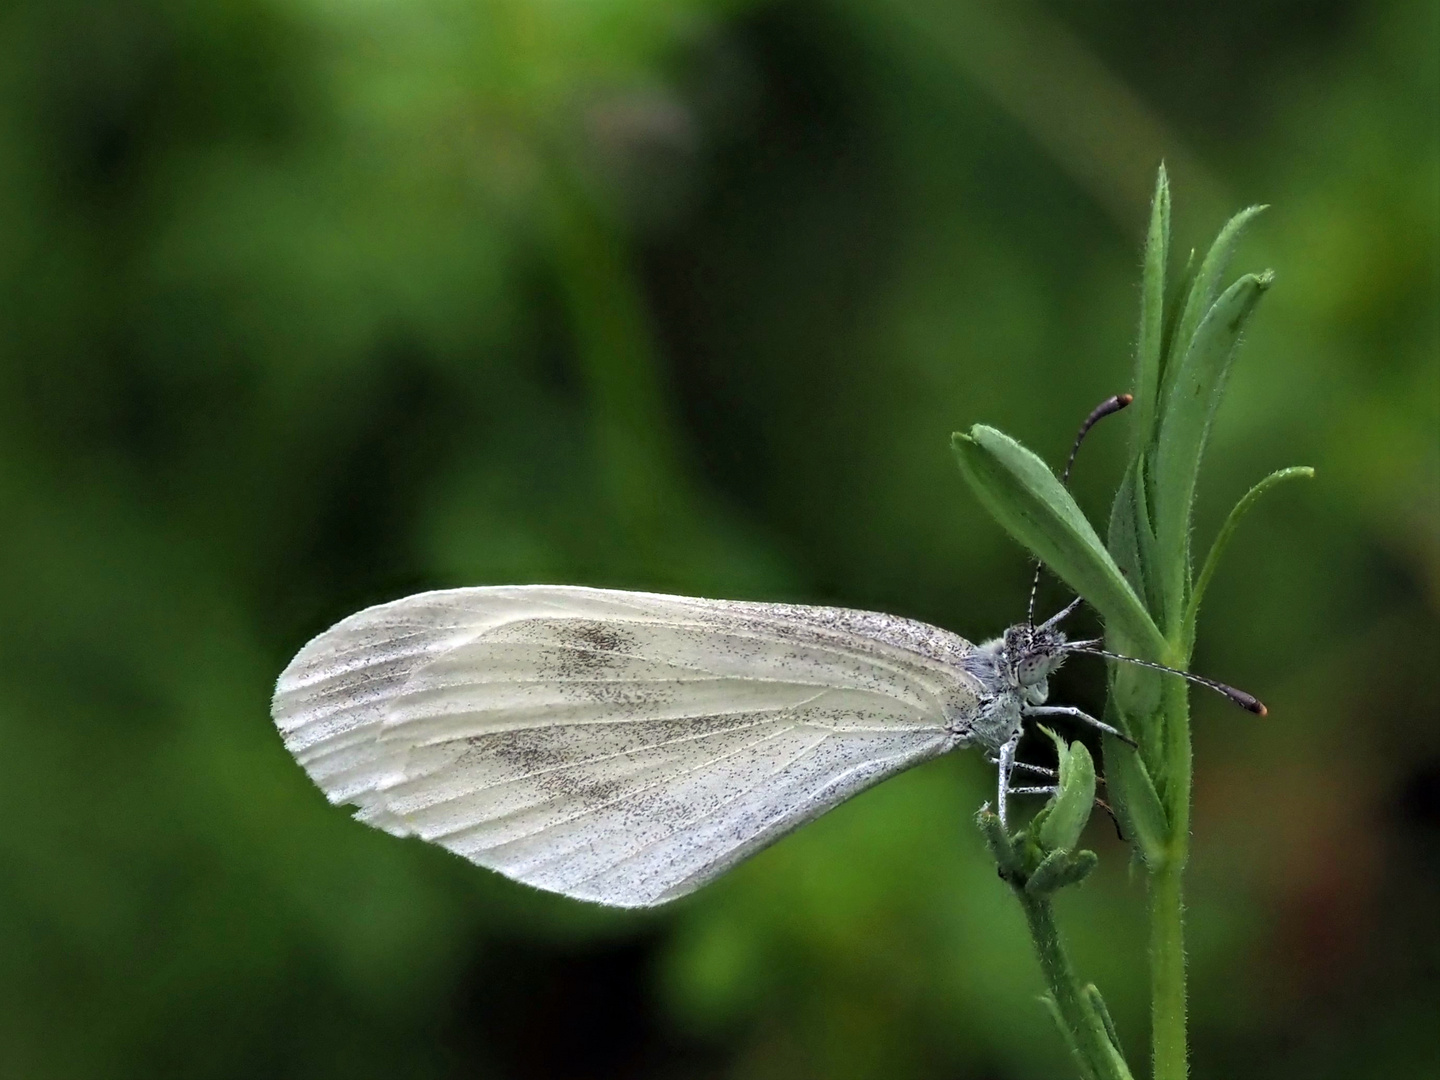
x: 1205, y: 286
x: 1174, y: 305
x: 1227, y: 531
x: 1194, y: 395
x: 1097, y: 1005
x: 1133, y: 797
x: 1045, y: 878
x: 1070, y: 809
x: 1048, y: 1000
x: 1124, y: 539
x: 1145, y: 544
x: 1082, y: 862
x: 1131, y: 537
x: 1150, y: 343
x: 1178, y: 292
x: 1059, y: 870
x: 1033, y: 828
x: 1025, y: 497
x: 1135, y: 691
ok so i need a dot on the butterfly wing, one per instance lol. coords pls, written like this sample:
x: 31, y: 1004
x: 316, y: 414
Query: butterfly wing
x: 618, y: 747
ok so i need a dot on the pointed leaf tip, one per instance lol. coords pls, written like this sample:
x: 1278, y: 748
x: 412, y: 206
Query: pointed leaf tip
x: 1030, y: 503
x: 1149, y: 348
x: 1205, y: 288
x: 1227, y: 533
x: 1196, y: 381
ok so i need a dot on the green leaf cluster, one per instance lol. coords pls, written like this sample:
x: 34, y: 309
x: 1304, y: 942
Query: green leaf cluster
x: 1038, y: 861
x: 1042, y: 857
x: 1141, y: 579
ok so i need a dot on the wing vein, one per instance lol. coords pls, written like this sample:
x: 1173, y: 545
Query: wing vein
x: 640, y: 790
x: 640, y: 749
x: 724, y: 805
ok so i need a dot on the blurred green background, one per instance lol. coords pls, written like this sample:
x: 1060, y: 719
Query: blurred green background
x: 307, y: 304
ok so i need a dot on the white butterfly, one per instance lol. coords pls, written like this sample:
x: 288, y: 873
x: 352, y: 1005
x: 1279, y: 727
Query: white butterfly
x: 626, y: 748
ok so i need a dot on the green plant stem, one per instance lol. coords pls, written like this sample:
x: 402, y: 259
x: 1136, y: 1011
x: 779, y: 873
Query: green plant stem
x: 1167, y: 910
x: 1167, y: 974
x: 1087, y: 1029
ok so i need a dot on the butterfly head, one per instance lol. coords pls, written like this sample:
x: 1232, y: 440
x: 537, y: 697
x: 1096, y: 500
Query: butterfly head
x: 1030, y: 654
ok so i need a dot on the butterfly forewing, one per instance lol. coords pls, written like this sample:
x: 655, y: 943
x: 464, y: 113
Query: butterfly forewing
x: 618, y: 747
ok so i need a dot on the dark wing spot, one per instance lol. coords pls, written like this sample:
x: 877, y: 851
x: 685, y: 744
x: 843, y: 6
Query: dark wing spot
x: 588, y: 647
x: 567, y: 762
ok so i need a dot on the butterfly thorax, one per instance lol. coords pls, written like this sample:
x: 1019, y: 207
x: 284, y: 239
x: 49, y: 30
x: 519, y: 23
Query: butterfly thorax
x: 1015, y: 668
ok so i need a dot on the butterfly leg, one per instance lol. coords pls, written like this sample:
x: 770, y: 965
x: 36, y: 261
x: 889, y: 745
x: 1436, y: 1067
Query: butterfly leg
x: 1025, y: 766
x: 1077, y: 714
x: 1006, y: 765
x: 1034, y: 790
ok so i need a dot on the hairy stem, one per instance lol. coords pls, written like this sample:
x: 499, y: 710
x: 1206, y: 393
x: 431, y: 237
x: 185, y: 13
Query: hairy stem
x: 1167, y: 911
x: 1167, y: 975
x: 1088, y: 1035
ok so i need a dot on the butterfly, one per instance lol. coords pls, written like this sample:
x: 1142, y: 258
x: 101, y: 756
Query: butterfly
x: 626, y: 748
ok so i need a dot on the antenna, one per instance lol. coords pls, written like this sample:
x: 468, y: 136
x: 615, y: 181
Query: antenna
x: 1248, y: 702
x: 1108, y: 407
x: 1061, y: 616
